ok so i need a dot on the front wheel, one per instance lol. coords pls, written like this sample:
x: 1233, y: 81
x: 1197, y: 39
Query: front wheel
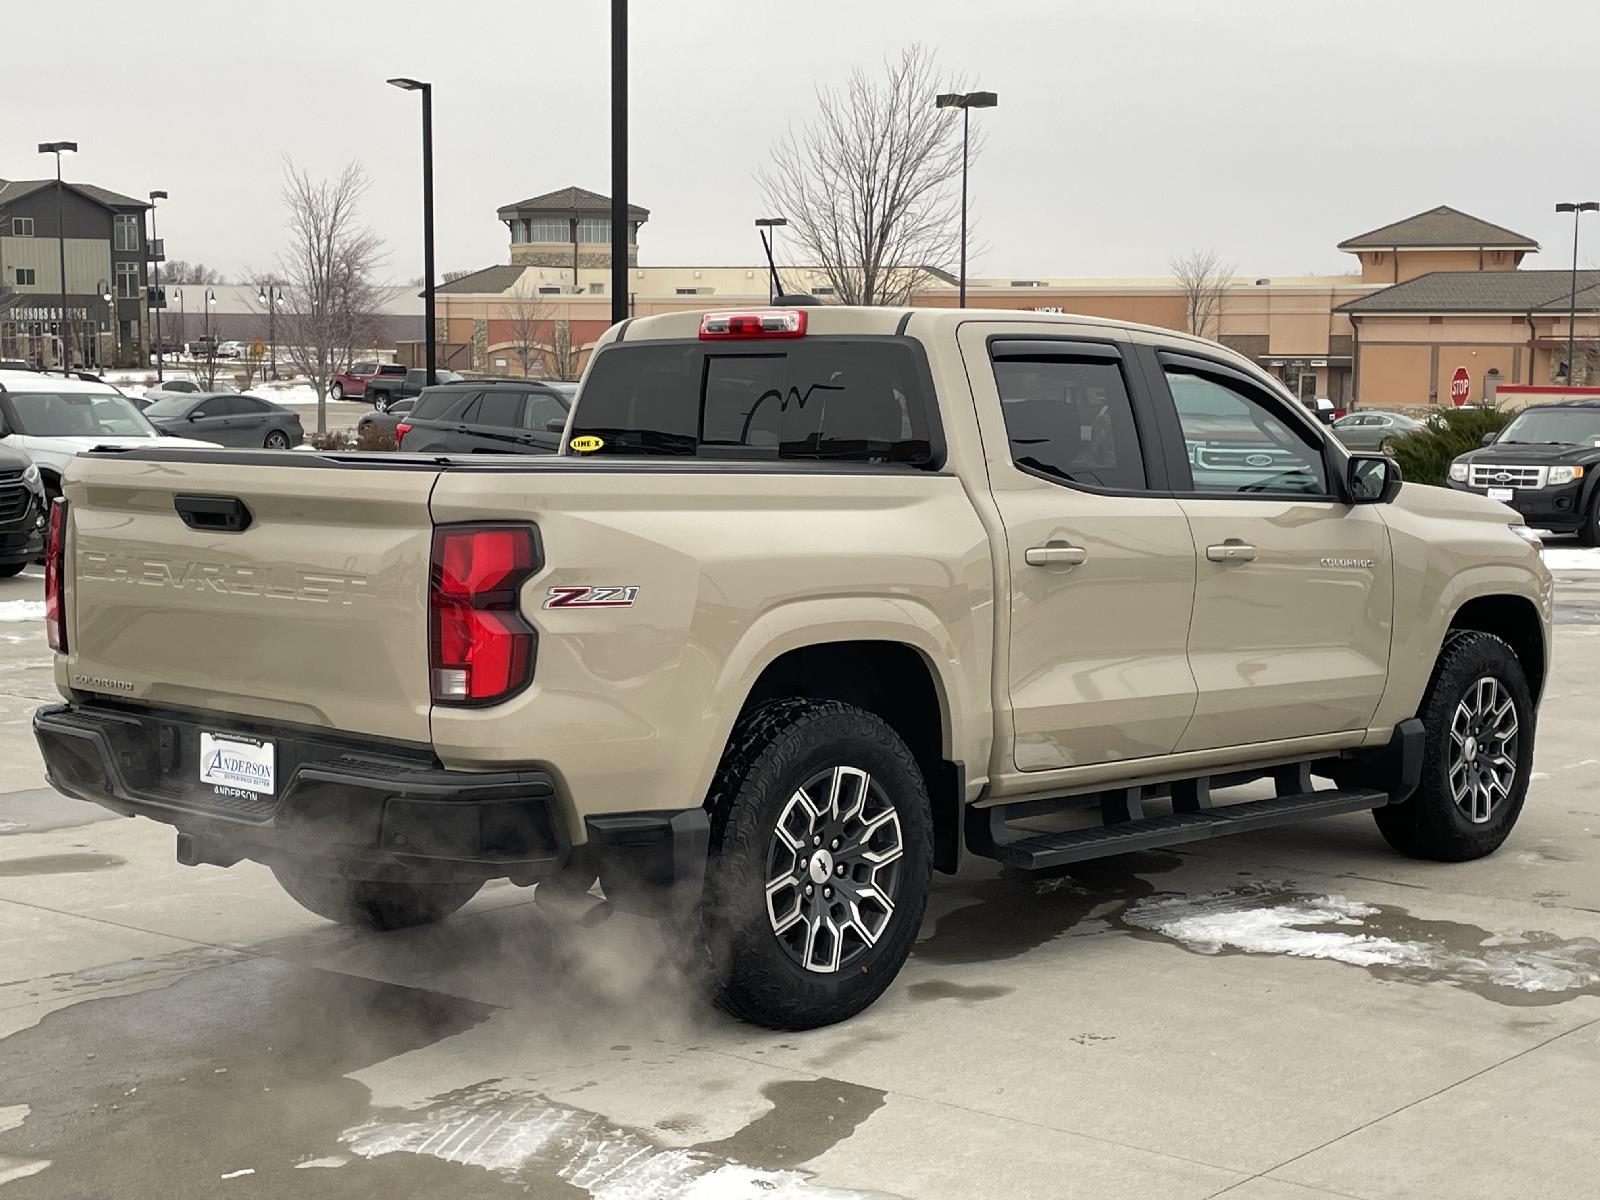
x: 1478, y: 719
x: 372, y: 905
x: 336, y: 391
x: 821, y: 855
x: 1589, y: 531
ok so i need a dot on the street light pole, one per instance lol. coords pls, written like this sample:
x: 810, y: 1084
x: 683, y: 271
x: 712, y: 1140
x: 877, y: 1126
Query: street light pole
x: 619, y: 160
x: 210, y: 298
x: 770, y: 224
x: 1575, y: 208
x: 966, y: 102
x: 155, y: 258
x: 61, y: 236
x: 429, y: 352
x: 269, y: 295
x: 102, y: 288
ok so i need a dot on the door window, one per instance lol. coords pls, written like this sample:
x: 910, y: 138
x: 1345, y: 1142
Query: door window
x: 1236, y: 443
x: 500, y: 409
x: 217, y: 406
x: 364, y: 369
x: 1070, y: 421
x: 543, y: 408
x: 248, y: 405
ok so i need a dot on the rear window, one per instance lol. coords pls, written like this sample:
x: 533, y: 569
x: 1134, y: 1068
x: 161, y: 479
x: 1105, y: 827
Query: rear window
x: 823, y: 399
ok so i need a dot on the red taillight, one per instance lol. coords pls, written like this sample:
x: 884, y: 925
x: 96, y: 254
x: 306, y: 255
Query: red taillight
x: 55, y: 568
x: 400, y: 431
x: 481, y: 650
x: 762, y: 323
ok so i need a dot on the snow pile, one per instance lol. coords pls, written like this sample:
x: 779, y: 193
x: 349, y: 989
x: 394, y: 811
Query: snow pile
x: 1572, y: 558
x: 21, y: 610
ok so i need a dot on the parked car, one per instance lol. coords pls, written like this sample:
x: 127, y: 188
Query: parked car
x: 383, y: 390
x: 22, y: 512
x: 498, y: 416
x: 1545, y: 464
x: 15, y: 364
x: 385, y: 418
x: 352, y: 384
x: 1323, y: 409
x: 813, y: 603
x: 201, y: 347
x: 228, y: 419
x: 231, y: 349
x: 167, y: 347
x: 1373, y: 430
x: 51, y: 420
x: 185, y: 387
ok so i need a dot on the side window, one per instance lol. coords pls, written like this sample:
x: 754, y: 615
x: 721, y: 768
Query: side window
x: 1235, y: 442
x: 543, y: 408
x: 501, y: 409
x: 436, y: 405
x: 364, y: 369
x: 217, y: 406
x: 1071, y: 420
x: 248, y: 405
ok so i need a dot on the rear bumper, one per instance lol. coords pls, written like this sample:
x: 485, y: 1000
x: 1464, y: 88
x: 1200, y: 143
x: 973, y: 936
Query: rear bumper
x: 369, y: 810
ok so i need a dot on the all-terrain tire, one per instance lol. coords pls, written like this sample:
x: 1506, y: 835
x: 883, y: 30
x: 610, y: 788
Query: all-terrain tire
x: 774, y: 751
x: 368, y: 904
x: 1589, y: 531
x: 1431, y: 825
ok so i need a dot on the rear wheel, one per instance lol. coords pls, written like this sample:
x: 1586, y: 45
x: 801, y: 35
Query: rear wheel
x: 336, y: 390
x: 1478, y: 715
x: 7, y: 570
x: 821, y: 854
x: 277, y: 439
x: 372, y: 905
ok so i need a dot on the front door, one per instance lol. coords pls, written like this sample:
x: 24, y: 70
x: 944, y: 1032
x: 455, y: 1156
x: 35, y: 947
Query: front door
x: 1294, y: 596
x: 1099, y: 563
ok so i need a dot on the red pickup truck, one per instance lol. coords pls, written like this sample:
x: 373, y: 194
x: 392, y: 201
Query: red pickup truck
x: 352, y: 384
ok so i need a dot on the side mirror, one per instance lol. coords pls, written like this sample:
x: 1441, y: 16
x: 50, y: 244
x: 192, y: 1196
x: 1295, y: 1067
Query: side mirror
x: 194, y: 414
x: 555, y: 426
x: 1373, y: 479
x: 1488, y: 438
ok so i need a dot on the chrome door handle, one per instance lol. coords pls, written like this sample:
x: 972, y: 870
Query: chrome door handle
x: 1232, y: 550
x: 1055, y: 556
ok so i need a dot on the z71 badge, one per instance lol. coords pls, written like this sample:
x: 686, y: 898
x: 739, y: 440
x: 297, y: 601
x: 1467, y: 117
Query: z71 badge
x: 591, y: 597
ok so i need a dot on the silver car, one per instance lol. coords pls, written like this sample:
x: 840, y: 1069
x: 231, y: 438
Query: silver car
x: 1373, y: 430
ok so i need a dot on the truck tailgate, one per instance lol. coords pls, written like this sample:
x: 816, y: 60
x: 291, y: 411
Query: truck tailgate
x: 315, y: 613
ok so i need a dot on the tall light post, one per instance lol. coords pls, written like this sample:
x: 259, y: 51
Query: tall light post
x: 210, y: 300
x: 416, y: 85
x: 966, y: 102
x: 61, y: 234
x: 270, y: 295
x: 771, y: 224
x: 619, y: 160
x: 157, y: 253
x: 102, y: 289
x: 1575, y: 208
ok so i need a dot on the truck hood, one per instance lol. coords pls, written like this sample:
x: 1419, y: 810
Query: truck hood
x: 1522, y: 453
x: 1441, y: 502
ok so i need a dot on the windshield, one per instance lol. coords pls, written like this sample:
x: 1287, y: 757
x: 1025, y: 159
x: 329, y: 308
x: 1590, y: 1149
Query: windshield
x: 77, y: 414
x: 1565, y: 426
x: 169, y: 406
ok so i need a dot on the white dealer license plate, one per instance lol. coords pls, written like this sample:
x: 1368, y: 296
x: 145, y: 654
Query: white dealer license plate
x: 236, y: 764
x: 1502, y: 494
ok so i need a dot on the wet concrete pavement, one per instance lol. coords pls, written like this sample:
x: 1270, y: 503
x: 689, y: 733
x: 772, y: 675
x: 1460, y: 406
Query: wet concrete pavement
x: 1282, y: 1016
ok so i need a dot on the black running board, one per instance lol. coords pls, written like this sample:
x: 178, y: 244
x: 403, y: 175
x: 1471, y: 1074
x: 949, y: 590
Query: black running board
x: 989, y: 836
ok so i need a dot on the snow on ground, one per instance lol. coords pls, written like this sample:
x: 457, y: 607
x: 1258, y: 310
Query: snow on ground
x: 21, y: 610
x: 1572, y: 558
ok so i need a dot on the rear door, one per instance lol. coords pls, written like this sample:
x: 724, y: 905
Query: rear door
x: 211, y: 421
x: 1294, y: 594
x: 493, y: 425
x: 251, y: 418
x: 1098, y: 557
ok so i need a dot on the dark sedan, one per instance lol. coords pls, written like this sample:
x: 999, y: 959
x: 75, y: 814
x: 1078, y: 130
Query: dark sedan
x: 228, y: 419
x: 385, y: 418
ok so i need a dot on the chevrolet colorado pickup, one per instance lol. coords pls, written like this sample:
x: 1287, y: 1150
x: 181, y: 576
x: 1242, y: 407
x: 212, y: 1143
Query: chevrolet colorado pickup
x: 813, y: 602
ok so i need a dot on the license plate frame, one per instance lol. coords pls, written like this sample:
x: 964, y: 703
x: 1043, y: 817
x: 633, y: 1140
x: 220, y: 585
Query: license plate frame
x: 1504, y: 495
x: 233, y: 764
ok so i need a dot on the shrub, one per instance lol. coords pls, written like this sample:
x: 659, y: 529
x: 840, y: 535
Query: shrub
x: 334, y: 439
x: 376, y: 437
x: 1425, y: 455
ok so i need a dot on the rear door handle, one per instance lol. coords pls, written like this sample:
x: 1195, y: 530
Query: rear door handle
x: 1055, y: 556
x: 1232, y: 550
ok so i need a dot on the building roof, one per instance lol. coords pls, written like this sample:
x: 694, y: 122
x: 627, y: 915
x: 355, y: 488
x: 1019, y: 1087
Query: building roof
x: 1442, y: 226
x: 16, y: 189
x: 489, y: 281
x: 568, y: 200
x: 1482, y: 291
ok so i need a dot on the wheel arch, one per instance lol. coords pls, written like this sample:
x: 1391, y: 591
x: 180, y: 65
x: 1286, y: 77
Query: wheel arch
x: 1515, y: 620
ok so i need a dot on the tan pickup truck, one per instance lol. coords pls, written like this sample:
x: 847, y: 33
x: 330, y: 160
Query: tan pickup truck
x: 814, y: 601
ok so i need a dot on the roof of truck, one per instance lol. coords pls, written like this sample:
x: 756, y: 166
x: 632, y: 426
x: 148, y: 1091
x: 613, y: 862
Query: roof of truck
x: 39, y: 381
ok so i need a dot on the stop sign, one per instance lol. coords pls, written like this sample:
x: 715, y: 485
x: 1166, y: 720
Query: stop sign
x: 1460, y: 386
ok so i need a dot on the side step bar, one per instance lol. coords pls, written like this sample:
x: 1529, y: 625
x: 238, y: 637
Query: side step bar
x: 1376, y: 777
x: 988, y: 835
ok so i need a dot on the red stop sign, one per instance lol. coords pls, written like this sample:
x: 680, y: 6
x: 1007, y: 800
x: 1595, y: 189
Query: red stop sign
x: 1460, y: 386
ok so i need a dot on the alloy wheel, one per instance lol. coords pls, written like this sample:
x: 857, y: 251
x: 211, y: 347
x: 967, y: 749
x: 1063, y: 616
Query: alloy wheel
x: 1482, y: 763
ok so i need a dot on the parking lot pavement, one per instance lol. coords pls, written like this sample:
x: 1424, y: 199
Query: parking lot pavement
x: 1282, y: 1016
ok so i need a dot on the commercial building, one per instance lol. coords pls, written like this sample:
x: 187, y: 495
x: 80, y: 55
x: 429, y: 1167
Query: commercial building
x: 101, y: 234
x: 1430, y: 293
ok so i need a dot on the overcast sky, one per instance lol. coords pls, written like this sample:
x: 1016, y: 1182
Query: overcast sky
x: 1127, y: 131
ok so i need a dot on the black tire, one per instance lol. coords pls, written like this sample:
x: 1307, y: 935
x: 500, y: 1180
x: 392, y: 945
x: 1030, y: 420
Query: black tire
x: 1431, y: 824
x: 756, y: 975
x: 277, y: 439
x: 372, y: 905
x: 1589, y: 531
x: 336, y: 391
x: 7, y: 570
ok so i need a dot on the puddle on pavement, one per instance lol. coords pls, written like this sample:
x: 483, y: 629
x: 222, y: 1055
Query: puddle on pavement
x: 1391, y: 943
x: 59, y: 864
x: 1015, y: 912
x: 965, y: 993
x: 234, y: 1077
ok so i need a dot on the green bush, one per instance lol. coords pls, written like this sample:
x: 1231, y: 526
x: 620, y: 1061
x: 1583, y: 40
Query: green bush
x: 1425, y: 456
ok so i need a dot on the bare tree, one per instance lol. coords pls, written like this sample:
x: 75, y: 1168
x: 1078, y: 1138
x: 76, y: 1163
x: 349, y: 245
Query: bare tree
x: 182, y: 271
x: 1205, y: 281
x: 330, y: 303
x: 530, y: 317
x: 870, y: 186
x: 562, y: 357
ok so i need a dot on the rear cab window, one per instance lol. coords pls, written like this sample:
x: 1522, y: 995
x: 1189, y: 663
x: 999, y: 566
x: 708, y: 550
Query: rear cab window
x: 862, y: 399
